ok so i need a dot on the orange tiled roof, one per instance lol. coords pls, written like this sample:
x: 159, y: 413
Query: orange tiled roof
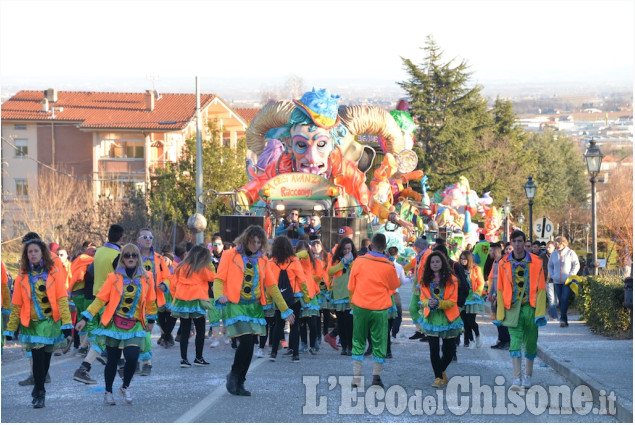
x: 248, y: 114
x: 108, y: 110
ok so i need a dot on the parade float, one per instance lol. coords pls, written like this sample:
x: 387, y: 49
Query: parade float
x: 352, y: 165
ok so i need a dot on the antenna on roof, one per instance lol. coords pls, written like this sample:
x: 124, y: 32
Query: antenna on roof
x: 154, y: 77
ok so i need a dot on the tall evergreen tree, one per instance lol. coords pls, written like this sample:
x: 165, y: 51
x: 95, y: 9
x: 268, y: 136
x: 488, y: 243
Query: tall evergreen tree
x: 451, y: 115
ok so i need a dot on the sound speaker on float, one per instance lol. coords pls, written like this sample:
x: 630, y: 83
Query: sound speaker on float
x: 231, y: 226
x: 332, y: 225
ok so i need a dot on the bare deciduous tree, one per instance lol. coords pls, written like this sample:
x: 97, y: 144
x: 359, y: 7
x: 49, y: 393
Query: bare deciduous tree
x: 615, y: 212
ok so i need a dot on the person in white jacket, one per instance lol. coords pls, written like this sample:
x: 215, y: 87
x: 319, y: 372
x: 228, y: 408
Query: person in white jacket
x: 562, y: 264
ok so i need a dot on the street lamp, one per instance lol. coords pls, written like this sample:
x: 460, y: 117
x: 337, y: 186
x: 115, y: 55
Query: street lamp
x: 530, y: 192
x: 593, y: 158
x: 521, y: 220
x: 587, y: 229
x: 507, y: 207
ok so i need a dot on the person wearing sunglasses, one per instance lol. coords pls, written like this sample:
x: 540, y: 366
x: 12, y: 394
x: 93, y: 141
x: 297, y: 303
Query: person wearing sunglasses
x: 128, y: 301
x: 153, y: 262
x: 40, y: 308
x: 291, y: 226
x: 105, y: 262
x: 241, y: 278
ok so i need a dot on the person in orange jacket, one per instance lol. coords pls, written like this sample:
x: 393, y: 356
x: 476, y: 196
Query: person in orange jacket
x: 441, y: 318
x: 242, y: 275
x: 474, y: 301
x: 154, y: 263
x: 521, y: 272
x: 417, y: 264
x: 321, y: 256
x: 40, y: 308
x: 314, y: 274
x: 190, y: 289
x: 372, y: 282
x: 130, y: 311
x: 78, y: 274
x: 283, y: 258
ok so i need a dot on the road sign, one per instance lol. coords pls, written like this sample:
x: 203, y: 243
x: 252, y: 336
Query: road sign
x: 543, y: 227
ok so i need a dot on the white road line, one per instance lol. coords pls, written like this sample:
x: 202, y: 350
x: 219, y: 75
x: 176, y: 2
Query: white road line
x: 208, y: 402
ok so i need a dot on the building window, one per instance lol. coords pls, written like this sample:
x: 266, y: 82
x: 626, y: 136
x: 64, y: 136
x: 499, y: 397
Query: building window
x: 21, y: 188
x: 19, y: 127
x: 123, y: 149
x: 22, y: 147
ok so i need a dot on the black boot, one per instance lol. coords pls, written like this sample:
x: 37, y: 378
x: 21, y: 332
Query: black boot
x: 38, y: 401
x: 241, y: 388
x: 232, y: 383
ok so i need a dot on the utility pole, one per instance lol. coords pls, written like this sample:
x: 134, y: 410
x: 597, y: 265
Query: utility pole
x: 200, y: 208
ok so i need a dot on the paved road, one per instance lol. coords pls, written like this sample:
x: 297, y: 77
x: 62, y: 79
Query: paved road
x: 314, y: 390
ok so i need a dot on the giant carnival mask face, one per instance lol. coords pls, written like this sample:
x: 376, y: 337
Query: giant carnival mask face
x: 311, y: 146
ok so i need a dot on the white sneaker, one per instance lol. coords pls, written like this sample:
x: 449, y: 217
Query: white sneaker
x: 215, y: 343
x: 259, y: 353
x: 517, y: 385
x: 479, y: 342
x: 125, y: 393
x: 526, y: 381
x: 109, y: 399
x: 472, y: 346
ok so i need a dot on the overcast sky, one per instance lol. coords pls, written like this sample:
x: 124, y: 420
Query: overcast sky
x: 336, y: 39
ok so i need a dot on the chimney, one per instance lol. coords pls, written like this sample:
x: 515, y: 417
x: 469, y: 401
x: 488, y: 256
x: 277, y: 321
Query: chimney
x: 149, y: 100
x: 45, y: 105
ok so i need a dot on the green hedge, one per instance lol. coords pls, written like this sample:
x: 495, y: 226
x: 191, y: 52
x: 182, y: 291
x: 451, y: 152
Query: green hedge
x: 601, y: 304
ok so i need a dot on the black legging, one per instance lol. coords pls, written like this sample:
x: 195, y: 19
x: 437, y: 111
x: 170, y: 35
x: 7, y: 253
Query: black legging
x: 469, y: 324
x: 294, y: 333
x: 269, y: 329
x: 41, y: 363
x: 345, y: 325
x: 326, y: 320
x: 242, y: 357
x: 396, y: 324
x: 439, y: 364
x: 199, y: 341
x: 130, y: 354
x: 311, y: 323
x: 166, y: 323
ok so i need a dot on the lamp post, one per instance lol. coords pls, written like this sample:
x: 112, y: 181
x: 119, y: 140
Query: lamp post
x: 530, y: 192
x: 507, y: 207
x: 521, y: 220
x: 587, y: 228
x: 593, y: 158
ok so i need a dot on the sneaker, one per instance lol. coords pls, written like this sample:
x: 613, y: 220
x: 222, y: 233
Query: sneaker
x: 287, y: 353
x: 438, y: 383
x: 295, y: 359
x: 146, y: 370
x: 331, y: 341
x: 81, y: 375
x: 389, y: 355
x: 312, y: 351
x: 304, y: 348
x: 563, y: 324
x: 200, y: 362
x: 26, y: 382
x: 109, y: 399
x: 82, y: 351
x: 125, y: 393
x: 102, y: 359
x: 259, y: 353
x: 185, y: 363
x: 504, y: 346
x: 377, y: 381
x: 417, y: 335
x: 517, y: 385
x: 160, y: 341
x: 526, y: 381
x: 215, y: 343
x: 496, y: 346
x: 479, y: 342
x: 58, y: 352
x: 272, y: 357
x: 466, y: 344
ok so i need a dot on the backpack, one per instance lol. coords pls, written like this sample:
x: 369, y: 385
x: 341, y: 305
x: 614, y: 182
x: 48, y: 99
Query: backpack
x: 284, y: 284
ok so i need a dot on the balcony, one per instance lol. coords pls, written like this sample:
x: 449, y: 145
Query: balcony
x: 121, y: 166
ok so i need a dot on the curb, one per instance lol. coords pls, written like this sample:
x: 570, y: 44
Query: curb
x: 624, y: 409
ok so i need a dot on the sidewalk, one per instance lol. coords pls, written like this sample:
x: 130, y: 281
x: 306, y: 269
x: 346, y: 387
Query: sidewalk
x: 593, y: 360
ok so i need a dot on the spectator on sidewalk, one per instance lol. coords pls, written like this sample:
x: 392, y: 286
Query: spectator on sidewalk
x: 562, y: 264
x: 521, y: 299
x: 551, y: 293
